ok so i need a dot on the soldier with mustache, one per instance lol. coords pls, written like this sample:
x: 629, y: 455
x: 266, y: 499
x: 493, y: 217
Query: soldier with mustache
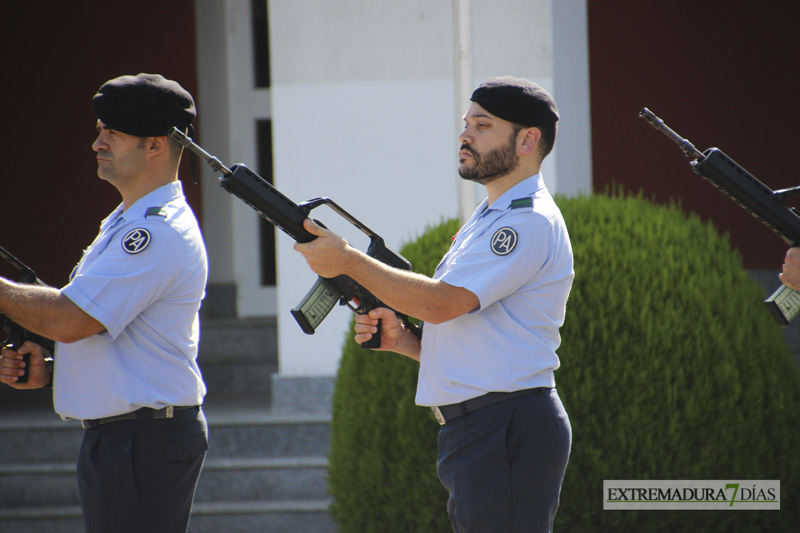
x: 491, y: 314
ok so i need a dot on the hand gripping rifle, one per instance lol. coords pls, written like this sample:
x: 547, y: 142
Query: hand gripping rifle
x: 12, y: 334
x: 766, y: 205
x: 271, y: 204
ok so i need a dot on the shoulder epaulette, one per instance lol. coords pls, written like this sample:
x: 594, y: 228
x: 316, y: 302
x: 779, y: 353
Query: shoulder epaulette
x: 157, y: 211
x: 519, y: 203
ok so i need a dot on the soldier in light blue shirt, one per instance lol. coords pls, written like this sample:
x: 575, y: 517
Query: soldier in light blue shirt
x: 492, y: 314
x: 515, y: 257
x: 154, y: 253
x: 126, y: 325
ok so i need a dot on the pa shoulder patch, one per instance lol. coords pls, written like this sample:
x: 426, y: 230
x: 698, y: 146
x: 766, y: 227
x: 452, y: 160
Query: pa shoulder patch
x: 504, y: 240
x: 136, y: 240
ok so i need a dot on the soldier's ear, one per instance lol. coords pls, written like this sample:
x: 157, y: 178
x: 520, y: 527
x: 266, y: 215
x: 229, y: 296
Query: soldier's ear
x: 528, y: 140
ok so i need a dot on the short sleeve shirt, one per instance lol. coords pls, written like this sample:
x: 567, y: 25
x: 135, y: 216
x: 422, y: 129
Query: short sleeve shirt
x: 143, y: 278
x: 515, y: 256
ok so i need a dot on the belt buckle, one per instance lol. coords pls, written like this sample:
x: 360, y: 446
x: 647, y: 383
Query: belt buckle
x: 438, y: 414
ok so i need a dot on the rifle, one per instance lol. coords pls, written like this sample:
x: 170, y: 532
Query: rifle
x: 288, y: 216
x: 12, y: 334
x: 766, y: 205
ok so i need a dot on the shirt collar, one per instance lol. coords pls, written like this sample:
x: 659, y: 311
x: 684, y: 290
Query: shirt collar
x: 526, y: 187
x: 157, y: 197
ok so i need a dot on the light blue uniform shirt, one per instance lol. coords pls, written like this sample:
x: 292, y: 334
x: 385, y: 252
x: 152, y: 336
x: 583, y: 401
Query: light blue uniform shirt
x: 515, y: 256
x: 143, y: 278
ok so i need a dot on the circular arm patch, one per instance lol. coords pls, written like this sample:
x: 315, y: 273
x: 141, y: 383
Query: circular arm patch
x: 504, y: 240
x: 136, y: 240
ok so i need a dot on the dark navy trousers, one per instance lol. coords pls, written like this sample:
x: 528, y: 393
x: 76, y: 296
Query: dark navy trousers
x: 503, y: 464
x: 139, y: 476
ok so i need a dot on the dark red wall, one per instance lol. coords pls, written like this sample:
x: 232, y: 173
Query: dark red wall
x: 54, y: 57
x: 720, y: 73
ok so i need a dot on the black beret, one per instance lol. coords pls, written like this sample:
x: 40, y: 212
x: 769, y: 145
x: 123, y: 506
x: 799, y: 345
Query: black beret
x: 516, y: 100
x: 145, y: 105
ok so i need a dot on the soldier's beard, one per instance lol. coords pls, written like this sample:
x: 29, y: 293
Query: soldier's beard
x: 490, y: 165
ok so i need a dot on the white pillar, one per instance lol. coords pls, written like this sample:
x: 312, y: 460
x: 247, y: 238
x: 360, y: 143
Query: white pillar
x: 462, y: 31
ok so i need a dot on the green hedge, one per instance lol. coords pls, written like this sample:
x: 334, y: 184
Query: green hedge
x: 672, y: 369
x: 382, y: 472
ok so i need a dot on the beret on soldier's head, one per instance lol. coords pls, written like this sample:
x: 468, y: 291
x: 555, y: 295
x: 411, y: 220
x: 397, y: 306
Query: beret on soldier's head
x: 145, y: 105
x: 516, y: 100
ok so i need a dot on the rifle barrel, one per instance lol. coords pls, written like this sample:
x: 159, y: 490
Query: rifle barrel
x: 687, y: 147
x: 186, y: 141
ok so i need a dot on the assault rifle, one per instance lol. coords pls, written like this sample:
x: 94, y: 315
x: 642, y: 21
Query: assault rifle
x: 271, y: 204
x: 766, y: 205
x: 12, y: 334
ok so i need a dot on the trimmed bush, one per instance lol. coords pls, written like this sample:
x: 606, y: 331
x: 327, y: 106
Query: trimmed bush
x: 382, y: 472
x: 672, y: 369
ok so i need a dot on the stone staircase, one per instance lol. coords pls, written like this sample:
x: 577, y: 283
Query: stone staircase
x: 264, y: 472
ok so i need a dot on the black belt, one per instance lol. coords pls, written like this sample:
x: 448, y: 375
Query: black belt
x: 145, y: 413
x: 446, y: 413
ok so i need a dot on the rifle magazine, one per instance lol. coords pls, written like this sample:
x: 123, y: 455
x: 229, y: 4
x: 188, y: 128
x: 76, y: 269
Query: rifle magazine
x: 784, y: 304
x: 315, y: 306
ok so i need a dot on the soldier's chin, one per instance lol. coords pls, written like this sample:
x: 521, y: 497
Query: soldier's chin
x: 469, y: 175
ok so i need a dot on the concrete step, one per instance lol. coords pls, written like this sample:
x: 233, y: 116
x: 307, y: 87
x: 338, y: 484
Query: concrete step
x: 270, y: 480
x: 280, y: 495
x: 239, y: 339
x: 238, y: 430
x: 285, y: 435
x: 38, y: 486
x: 238, y: 354
x: 42, y: 520
x: 44, y: 440
x: 264, y: 471
x: 229, y: 517
x: 265, y: 479
x: 307, y: 516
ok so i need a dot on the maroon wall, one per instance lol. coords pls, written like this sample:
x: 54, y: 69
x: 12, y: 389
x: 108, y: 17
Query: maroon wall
x: 54, y: 57
x: 720, y: 73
